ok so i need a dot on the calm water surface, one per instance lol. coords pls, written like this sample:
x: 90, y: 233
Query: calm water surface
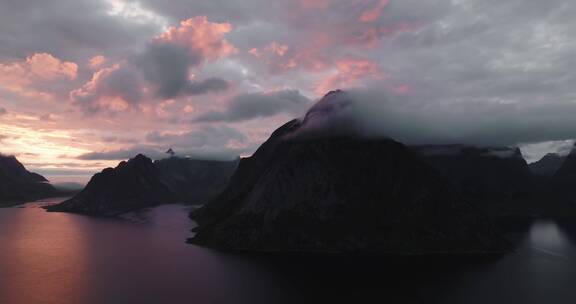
x: 58, y: 258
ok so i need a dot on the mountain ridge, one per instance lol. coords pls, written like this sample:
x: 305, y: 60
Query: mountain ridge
x: 141, y: 182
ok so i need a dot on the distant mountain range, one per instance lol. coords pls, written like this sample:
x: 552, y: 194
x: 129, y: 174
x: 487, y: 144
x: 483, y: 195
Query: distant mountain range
x: 140, y: 182
x: 19, y: 185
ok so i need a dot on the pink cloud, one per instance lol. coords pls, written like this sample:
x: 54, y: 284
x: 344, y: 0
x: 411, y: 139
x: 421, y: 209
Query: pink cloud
x: 22, y: 77
x: 350, y: 72
x: 96, y: 61
x: 113, y: 89
x: 374, y: 13
x: 201, y: 36
x: 281, y: 57
x: 49, y: 67
x: 164, y: 69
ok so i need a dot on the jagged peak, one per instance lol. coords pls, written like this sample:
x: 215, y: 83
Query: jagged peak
x: 141, y: 157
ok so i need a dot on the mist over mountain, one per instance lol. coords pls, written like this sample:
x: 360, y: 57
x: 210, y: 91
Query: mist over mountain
x: 377, y: 113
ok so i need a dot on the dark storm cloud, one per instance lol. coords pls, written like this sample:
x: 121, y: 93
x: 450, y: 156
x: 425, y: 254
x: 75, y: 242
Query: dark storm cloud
x: 254, y: 105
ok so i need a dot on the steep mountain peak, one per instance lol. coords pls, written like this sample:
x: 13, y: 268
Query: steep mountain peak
x: 334, y: 115
x: 332, y: 103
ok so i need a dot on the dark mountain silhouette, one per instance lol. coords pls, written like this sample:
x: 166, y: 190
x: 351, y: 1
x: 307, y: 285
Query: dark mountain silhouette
x: 482, y: 173
x: 139, y: 183
x: 498, y: 181
x: 563, y: 182
x: 308, y: 190
x: 20, y: 185
x: 547, y: 165
x: 195, y: 181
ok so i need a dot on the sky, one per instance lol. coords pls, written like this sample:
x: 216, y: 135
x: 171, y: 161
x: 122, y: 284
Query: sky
x: 84, y: 84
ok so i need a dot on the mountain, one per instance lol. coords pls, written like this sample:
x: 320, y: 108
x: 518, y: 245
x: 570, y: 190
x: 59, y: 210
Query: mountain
x: 547, y: 165
x: 563, y: 182
x: 19, y: 185
x: 482, y: 173
x: 139, y: 183
x: 309, y: 190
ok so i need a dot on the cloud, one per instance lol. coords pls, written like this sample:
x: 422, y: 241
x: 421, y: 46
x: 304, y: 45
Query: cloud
x: 206, y: 136
x: 75, y: 30
x: 202, y: 38
x: 254, y: 105
x: 111, y: 89
x: 123, y: 154
x: 207, y: 153
x: 415, y: 121
x: 349, y: 71
x: 46, y: 66
x: 535, y: 151
x: 375, y: 13
x: 28, y: 76
x: 166, y: 67
x: 96, y: 61
x: 466, y: 70
x: 162, y: 70
x: 209, y: 142
x: 3, y: 111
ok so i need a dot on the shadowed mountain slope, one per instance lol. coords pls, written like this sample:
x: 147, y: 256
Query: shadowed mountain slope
x: 316, y: 186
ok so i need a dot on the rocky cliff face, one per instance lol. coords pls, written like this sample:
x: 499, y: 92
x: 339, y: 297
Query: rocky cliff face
x: 305, y: 190
x: 19, y: 185
x: 547, y: 165
x: 140, y: 183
